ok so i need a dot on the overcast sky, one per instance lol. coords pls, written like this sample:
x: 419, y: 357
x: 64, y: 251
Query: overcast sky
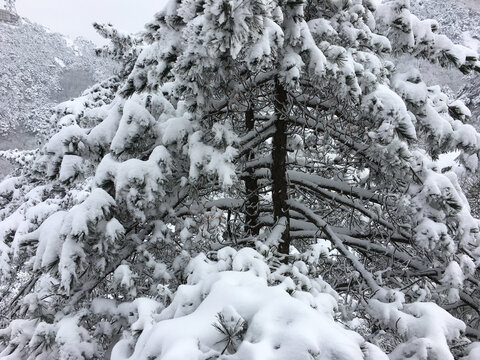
x: 74, y: 17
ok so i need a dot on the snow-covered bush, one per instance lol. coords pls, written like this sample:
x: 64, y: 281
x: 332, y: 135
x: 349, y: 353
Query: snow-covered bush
x: 261, y: 184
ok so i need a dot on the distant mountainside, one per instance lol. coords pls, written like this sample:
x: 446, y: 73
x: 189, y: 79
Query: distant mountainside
x: 455, y: 17
x: 461, y: 22
x: 38, y: 69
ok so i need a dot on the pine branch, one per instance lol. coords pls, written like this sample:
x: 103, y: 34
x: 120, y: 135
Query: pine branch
x: 337, y: 242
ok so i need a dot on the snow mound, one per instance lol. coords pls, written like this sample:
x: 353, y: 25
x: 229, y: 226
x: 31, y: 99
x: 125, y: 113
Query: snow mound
x: 232, y: 309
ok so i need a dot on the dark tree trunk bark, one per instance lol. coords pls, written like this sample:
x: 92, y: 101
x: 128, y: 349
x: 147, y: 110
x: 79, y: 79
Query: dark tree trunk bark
x: 279, y: 168
x: 251, y: 186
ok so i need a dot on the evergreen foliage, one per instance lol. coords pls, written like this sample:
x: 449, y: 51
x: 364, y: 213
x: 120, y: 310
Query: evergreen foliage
x: 260, y: 183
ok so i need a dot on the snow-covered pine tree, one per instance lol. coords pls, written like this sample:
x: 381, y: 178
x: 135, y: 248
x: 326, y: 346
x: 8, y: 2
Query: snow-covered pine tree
x: 121, y: 47
x: 263, y: 185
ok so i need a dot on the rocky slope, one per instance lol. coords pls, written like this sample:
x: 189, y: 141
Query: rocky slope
x: 38, y: 69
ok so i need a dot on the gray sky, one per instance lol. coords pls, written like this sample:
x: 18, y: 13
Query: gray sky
x: 74, y: 17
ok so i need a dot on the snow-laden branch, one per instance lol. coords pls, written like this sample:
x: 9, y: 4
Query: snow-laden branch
x: 258, y: 135
x: 339, y: 186
x: 247, y: 86
x: 315, y: 124
x: 393, y: 253
x: 336, y: 241
x: 299, y: 180
x: 88, y: 285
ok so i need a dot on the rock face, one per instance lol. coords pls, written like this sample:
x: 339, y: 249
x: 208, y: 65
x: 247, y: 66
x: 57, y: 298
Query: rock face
x: 38, y: 69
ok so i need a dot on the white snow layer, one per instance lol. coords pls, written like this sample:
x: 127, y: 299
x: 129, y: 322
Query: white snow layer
x: 233, y: 295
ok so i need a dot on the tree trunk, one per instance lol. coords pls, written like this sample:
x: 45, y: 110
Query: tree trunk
x: 279, y: 167
x: 251, y: 187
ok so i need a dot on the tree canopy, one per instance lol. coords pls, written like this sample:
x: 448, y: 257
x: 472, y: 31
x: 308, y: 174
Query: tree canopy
x: 260, y: 182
